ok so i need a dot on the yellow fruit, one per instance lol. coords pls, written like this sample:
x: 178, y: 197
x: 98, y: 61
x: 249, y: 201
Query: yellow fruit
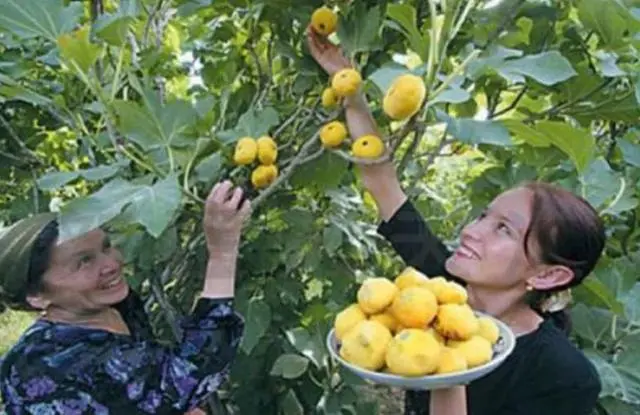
x: 410, y: 277
x: 246, y: 151
x: 415, y: 307
x: 452, y: 293
x: 413, y: 352
x: 267, y: 150
x: 432, y: 331
x: 263, y: 175
x: 456, y: 321
x: 476, y: 350
x: 333, y: 134
x: 365, y: 345
x: 347, y: 319
x: 387, y: 319
x: 451, y: 360
x: 330, y: 99
x: 488, y: 329
x: 346, y: 82
x: 436, y: 285
x: 324, y: 21
x: 368, y: 147
x: 404, y: 97
x: 376, y: 294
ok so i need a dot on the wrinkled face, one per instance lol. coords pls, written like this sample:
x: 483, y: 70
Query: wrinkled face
x: 491, y: 252
x: 84, y: 274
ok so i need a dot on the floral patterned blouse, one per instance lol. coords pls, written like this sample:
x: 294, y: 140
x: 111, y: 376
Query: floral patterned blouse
x: 58, y: 368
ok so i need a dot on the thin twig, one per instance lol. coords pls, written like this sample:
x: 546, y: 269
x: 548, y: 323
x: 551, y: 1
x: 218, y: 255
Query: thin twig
x: 513, y: 104
x: 14, y: 136
x: 287, y: 172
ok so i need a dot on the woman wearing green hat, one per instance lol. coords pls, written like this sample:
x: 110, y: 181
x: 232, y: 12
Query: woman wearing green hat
x: 92, y: 349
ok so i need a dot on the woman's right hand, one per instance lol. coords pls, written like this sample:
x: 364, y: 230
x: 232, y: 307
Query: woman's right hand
x: 329, y: 56
x: 224, y: 215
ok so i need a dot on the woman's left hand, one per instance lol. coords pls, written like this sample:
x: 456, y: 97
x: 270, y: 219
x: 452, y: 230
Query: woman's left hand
x: 224, y: 215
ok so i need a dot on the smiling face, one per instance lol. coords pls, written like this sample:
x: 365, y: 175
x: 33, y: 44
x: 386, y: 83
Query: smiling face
x: 84, y: 275
x: 491, y: 252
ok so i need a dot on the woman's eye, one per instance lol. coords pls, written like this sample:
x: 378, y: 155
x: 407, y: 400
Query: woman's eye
x: 502, y: 227
x: 84, y: 260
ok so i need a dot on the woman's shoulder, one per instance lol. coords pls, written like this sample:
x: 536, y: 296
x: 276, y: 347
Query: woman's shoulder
x: 555, y: 357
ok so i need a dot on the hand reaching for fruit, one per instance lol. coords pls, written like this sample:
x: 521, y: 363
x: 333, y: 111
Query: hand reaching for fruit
x: 329, y: 56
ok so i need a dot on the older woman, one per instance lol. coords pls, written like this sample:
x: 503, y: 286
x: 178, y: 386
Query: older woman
x: 92, y: 349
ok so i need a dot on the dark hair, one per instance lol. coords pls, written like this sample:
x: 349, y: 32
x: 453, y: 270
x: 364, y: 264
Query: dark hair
x: 41, y: 256
x: 568, y: 231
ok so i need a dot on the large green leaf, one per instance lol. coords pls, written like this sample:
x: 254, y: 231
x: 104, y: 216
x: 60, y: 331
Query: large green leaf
x: 258, y: 320
x: 253, y: 123
x: 54, y: 180
x: 548, y: 68
x: 621, y: 378
x: 76, y: 48
x: 599, y: 183
x: 404, y: 15
x: 358, y: 30
x: 310, y: 346
x: 290, y: 366
x: 476, y: 131
x: 150, y: 206
x: 591, y: 323
x: 577, y: 143
x: 630, y: 151
x: 12, y: 90
x: 609, y: 19
x: 39, y: 18
x: 154, y: 125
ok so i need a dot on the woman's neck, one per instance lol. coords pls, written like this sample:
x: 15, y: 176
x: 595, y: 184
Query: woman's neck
x: 506, y: 306
x: 105, y: 319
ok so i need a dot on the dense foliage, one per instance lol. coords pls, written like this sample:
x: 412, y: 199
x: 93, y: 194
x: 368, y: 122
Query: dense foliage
x: 123, y: 114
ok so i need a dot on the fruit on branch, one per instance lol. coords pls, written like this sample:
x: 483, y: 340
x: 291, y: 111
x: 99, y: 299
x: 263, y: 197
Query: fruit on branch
x: 346, y: 82
x: 267, y: 150
x: 246, y: 151
x: 368, y: 147
x: 324, y: 21
x: 263, y: 175
x: 404, y: 97
x: 333, y: 134
x: 330, y: 99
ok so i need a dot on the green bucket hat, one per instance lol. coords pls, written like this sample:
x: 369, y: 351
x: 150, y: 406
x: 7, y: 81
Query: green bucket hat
x: 16, y: 243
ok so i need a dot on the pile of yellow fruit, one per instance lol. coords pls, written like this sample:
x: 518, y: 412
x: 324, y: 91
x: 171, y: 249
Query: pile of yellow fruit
x: 265, y: 151
x: 402, y: 100
x: 414, y: 326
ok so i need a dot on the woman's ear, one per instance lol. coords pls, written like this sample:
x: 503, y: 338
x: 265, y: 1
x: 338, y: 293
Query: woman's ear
x: 551, y: 277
